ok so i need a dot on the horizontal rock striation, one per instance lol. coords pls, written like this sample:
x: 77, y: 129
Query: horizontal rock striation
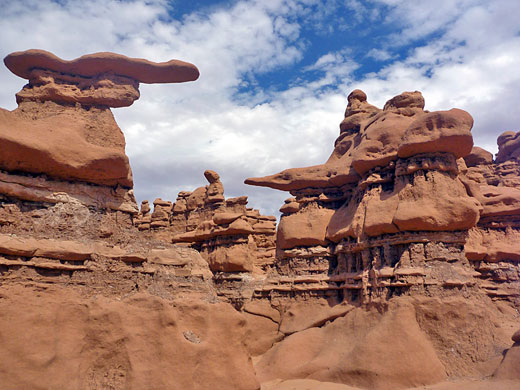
x: 228, y: 234
x: 493, y: 245
x: 395, y: 210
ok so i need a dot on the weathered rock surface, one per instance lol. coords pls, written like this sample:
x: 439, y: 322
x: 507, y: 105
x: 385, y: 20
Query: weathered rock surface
x: 22, y: 63
x: 56, y: 338
x: 390, y: 349
x: 63, y: 126
x: 229, y: 235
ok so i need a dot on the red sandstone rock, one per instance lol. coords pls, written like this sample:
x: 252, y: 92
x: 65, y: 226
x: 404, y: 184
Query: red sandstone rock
x: 231, y: 237
x: 516, y: 336
x: 143, y: 341
x: 261, y: 334
x: 441, y: 131
x: 499, y: 200
x: 22, y: 63
x: 64, y: 142
x: 304, y: 315
x: 55, y: 132
x: 508, y: 146
x: 478, y: 156
x: 303, y: 229
x: 436, y: 202
x: 509, y: 367
x: 357, y: 112
x: 390, y: 349
x: 399, y: 232
x: 215, y: 191
x: 224, y: 218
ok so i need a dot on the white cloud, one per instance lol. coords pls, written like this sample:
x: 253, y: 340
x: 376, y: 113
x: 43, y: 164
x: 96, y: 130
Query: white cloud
x: 379, y: 54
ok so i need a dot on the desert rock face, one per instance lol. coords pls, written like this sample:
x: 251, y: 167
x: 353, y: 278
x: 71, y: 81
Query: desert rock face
x: 395, y: 264
x: 100, y: 305
x: 394, y: 213
x: 410, y: 216
x: 228, y: 234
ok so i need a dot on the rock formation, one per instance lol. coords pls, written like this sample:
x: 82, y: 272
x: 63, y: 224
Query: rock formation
x: 393, y: 221
x: 228, y: 234
x: 395, y: 263
x: 63, y: 129
x: 393, y: 208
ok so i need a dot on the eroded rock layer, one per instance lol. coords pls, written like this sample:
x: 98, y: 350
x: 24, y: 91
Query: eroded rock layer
x: 63, y: 127
x: 228, y: 234
x: 395, y: 210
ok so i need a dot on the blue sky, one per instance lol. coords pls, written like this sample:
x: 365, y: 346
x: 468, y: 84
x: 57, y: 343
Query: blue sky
x: 275, y: 75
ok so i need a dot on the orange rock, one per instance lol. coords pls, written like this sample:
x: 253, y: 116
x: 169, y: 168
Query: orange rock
x: 215, y: 190
x: 64, y: 142
x: 225, y: 218
x: 261, y: 334
x: 22, y: 63
x: 440, y: 131
x: 435, y: 201
x: 63, y: 127
x: 139, y: 342
x: 390, y: 350
x: 508, y: 146
x: 478, y: 156
x: 304, y: 315
x: 516, y: 336
x: 235, y: 258
x: 499, y: 200
x: 304, y: 228
x: 289, y: 208
x: 509, y: 367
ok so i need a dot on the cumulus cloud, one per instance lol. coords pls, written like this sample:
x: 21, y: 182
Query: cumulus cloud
x: 459, y: 54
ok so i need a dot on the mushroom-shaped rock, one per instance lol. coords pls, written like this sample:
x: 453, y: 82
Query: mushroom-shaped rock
x: 358, y: 111
x: 63, y: 127
x: 478, y: 156
x: 145, y: 207
x: 105, y: 79
x: 439, y: 131
x: 22, y: 63
x: 508, y: 146
x: 215, y: 191
x: 211, y: 176
x: 405, y: 162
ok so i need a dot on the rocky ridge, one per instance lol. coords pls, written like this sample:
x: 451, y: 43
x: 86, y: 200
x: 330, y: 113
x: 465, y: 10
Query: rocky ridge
x: 229, y: 235
x: 394, y: 265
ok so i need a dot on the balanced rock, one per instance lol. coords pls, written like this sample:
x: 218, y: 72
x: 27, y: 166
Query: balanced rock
x: 63, y: 127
